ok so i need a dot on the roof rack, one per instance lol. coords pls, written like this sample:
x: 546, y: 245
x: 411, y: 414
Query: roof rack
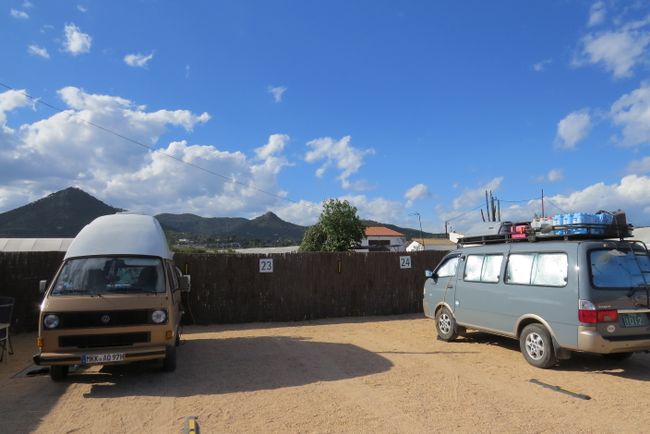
x: 615, y: 226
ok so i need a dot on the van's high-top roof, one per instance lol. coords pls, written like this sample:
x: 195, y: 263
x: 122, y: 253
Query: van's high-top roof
x: 121, y: 234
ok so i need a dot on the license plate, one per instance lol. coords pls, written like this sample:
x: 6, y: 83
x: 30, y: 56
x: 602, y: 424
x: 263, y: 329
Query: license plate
x: 633, y: 319
x: 88, y: 359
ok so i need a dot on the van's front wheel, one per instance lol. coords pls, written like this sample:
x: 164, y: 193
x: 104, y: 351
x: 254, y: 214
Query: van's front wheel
x: 58, y: 372
x: 537, y: 346
x: 169, y: 362
x: 446, y: 325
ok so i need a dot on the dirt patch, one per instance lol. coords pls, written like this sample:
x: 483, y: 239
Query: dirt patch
x: 382, y: 374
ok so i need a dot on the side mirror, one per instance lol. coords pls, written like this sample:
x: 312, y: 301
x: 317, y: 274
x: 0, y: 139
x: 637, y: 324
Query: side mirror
x: 42, y: 286
x: 428, y: 274
x: 184, y: 282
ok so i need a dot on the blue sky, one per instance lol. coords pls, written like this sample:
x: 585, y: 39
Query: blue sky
x: 398, y: 107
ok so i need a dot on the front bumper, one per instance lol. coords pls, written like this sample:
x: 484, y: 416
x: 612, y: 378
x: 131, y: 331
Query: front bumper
x: 589, y: 340
x: 74, y: 357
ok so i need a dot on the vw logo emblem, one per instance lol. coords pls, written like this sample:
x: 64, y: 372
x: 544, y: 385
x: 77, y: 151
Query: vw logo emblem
x: 105, y: 319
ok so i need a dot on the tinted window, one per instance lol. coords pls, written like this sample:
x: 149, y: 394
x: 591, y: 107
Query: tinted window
x: 483, y: 268
x: 448, y: 268
x: 614, y: 268
x: 544, y: 269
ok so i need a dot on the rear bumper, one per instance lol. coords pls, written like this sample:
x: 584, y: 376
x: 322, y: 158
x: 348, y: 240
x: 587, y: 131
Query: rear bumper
x: 74, y: 358
x: 589, y: 340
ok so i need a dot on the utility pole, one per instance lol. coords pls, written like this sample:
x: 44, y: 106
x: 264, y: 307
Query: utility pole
x: 420, y: 222
x: 543, y: 203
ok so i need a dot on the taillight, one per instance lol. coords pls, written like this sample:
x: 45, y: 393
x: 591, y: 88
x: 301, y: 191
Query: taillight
x: 587, y: 313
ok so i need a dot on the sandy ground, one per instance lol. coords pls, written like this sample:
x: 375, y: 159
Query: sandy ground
x: 381, y: 374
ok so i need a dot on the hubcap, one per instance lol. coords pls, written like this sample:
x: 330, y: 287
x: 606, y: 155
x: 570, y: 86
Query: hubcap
x: 444, y: 323
x: 535, y: 346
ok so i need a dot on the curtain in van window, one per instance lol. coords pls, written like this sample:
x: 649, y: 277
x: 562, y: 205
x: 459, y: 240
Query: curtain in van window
x: 544, y: 269
x: 550, y: 269
x: 491, y: 268
x: 473, y: 268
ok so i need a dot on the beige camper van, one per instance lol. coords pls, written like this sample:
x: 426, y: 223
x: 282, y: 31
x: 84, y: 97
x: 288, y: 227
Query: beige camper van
x: 115, y: 299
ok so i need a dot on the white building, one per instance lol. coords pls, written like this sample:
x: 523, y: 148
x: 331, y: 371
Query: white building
x: 34, y: 244
x: 382, y: 239
x: 440, y: 244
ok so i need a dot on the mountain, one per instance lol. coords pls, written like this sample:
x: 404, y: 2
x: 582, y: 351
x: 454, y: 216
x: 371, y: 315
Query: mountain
x: 265, y: 229
x: 64, y: 213
x: 60, y: 215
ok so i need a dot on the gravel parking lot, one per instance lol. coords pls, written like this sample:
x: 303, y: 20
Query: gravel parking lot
x: 379, y: 374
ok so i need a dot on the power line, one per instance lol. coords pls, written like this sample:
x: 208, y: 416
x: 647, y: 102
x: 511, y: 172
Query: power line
x: 151, y: 148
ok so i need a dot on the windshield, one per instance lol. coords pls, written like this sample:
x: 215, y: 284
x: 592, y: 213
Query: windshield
x: 110, y: 275
x: 620, y: 268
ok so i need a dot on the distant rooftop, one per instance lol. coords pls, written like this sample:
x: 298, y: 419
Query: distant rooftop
x: 381, y: 231
x: 34, y: 244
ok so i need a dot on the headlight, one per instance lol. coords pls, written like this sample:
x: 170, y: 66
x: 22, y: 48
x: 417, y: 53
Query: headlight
x: 51, y: 321
x: 159, y: 316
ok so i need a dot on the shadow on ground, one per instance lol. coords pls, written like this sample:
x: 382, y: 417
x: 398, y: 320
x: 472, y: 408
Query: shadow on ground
x: 635, y: 368
x: 220, y: 366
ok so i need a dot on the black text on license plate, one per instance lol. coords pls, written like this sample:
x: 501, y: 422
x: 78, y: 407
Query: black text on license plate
x: 88, y: 359
x: 632, y: 320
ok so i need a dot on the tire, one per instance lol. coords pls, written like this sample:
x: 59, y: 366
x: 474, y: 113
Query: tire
x: 446, y: 326
x: 169, y: 362
x: 617, y: 356
x: 537, y: 346
x: 58, y: 372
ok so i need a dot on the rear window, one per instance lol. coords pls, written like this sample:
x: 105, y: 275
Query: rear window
x: 542, y: 269
x: 483, y: 268
x: 619, y: 268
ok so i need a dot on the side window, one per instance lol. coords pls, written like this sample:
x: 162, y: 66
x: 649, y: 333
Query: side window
x: 491, y: 268
x: 448, y: 268
x: 542, y: 269
x: 171, y: 275
x: 473, y: 268
x: 483, y: 268
x: 550, y: 270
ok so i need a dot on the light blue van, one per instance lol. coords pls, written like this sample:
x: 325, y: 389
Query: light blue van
x: 556, y: 296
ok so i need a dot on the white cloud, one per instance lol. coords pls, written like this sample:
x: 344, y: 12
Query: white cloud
x: 27, y: 4
x: 418, y: 191
x: 277, y: 92
x: 555, y: 175
x: 597, y: 13
x: 469, y: 198
x: 377, y: 209
x: 276, y: 144
x: 138, y: 60
x: 187, y: 71
x: 21, y: 15
x: 63, y: 150
x: 540, y: 66
x: 10, y: 100
x: 35, y: 50
x: 76, y: 42
x: 619, y: 50
x: 631, y: 194
x: 639, y: 167
x: 303, y: 212
x: 346, y: 157
x: 632, y: 113
x: 82, y: 9
x: 572, y: 129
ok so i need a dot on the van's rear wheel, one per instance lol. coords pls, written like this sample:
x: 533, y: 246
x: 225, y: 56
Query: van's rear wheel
x: 446, y: 325
x: 169, y: 362
x: 537, y: 346
x: 58, y: 373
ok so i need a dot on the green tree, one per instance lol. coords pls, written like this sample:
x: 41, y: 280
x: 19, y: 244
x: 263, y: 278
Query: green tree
x: 338, y: 229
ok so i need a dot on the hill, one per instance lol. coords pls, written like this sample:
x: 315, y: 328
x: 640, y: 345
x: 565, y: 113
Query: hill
x: 60, y: 215
x: 268, y: 229
x: 64, y: 213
